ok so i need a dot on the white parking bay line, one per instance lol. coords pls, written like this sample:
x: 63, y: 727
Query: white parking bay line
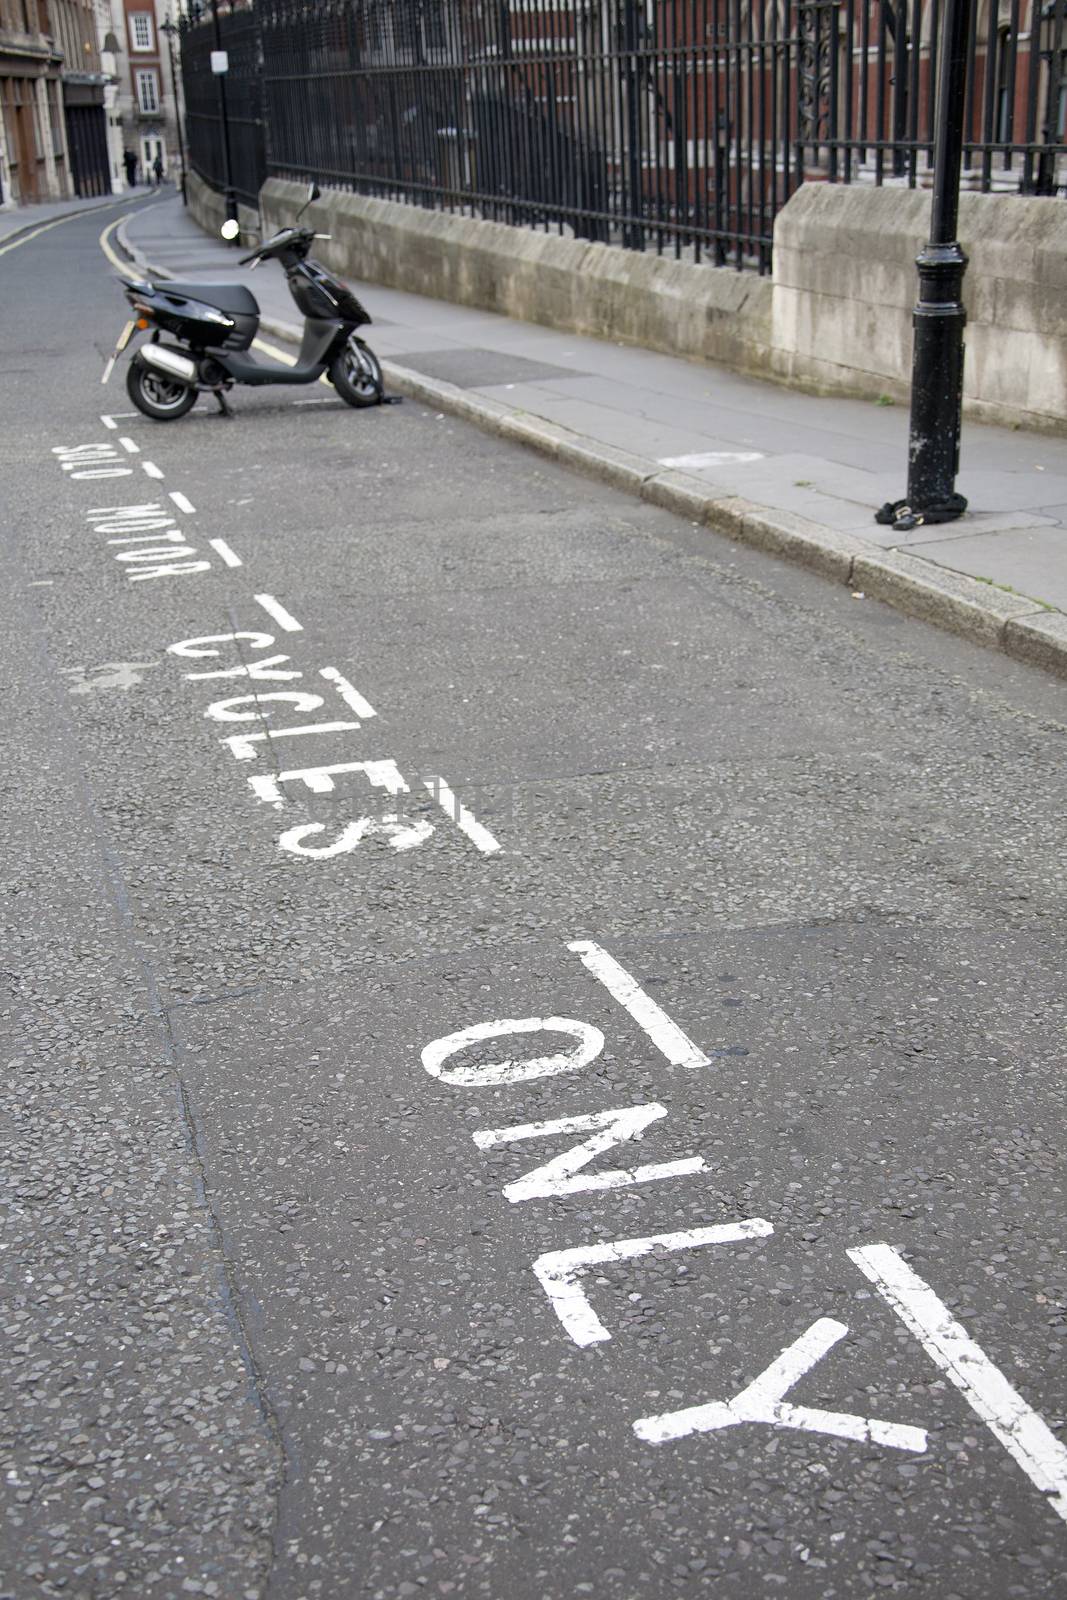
x: 1024, y: 1435
x: 665, y: 1034
x: 711, y: 458
x: 226, y: 553
x: 129, y: 446
x: 151, y: 468
x: 480, y: 837
x: 182, y: 502
x: 275, y: 609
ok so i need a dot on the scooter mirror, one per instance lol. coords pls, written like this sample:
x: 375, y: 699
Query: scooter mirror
x: 230, y: 228
x: 313, y: 192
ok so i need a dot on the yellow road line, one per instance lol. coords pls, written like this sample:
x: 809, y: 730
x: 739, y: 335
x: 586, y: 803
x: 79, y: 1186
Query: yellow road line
x: 27, y: 238
x: 116, y: 261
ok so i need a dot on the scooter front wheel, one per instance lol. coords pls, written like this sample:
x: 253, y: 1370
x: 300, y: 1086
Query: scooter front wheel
x: 356, y: 374
x: 157, y: 396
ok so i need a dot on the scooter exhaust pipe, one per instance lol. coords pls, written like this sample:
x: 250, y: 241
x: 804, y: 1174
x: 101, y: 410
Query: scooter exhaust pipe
x: 170, y: 362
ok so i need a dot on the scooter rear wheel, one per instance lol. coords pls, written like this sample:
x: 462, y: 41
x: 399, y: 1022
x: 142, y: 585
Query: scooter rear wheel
x: 157, y: 396
x: 356, y: 374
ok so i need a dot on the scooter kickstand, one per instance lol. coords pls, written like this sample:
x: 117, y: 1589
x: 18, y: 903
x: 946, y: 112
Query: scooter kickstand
x: 224, y: 405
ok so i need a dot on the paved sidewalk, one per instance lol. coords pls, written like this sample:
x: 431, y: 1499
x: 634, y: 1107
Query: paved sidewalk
x: 796, y: 474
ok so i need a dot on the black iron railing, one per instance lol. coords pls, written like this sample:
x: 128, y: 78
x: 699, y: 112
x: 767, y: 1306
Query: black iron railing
x: 667, y: 125
x: 243, y: 90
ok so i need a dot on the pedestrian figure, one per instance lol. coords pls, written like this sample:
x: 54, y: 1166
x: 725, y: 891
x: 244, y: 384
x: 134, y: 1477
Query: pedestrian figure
x: 157, y: 168
x: 129, y: 161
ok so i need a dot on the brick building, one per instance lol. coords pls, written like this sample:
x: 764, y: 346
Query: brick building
x: 146, y: 99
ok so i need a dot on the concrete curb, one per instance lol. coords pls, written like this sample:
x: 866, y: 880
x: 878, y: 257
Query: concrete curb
x: 978, y: 611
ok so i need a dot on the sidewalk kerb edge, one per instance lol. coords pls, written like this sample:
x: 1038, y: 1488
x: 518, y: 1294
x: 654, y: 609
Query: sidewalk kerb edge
x: 947, y: 599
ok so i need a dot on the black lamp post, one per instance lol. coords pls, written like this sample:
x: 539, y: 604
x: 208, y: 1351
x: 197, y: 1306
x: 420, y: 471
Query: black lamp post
x: 937, y: 363
x: 227, y: 167
x: 170, y: 29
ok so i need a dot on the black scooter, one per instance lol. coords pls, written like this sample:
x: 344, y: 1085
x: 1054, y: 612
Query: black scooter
x: 213, y: 326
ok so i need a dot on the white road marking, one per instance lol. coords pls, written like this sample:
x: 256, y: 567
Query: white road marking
x: 182, y: 502
x: 152, y: 470
x: 299, y: 699
x: 111, y: 419
x: 193, y: 647
x: 108, y: 421
x: 609, y: 1128
x: 349, y: 694
x: 711, y: 458
x: 666, y: 1035
x: 241, y: 743
x: 129, y: 444
x: 1025, y: 1436
x: 380, y: 774
x: 465, y: 821
x: 275, y: 609
x: 558, y: 1270
x: 226, y: 553
x: 588, y: 1043
x: 763, y: 1401
x: 402, y: 835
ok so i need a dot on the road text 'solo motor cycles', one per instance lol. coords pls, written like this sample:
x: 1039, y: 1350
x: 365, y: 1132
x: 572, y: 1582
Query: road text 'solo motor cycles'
x: 202, y: 333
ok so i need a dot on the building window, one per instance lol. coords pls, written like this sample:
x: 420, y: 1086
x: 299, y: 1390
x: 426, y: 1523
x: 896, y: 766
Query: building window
x: 141, y: 30
x: 148, y: 92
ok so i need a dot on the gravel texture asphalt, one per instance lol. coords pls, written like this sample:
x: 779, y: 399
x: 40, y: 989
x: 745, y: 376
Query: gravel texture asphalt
x: 271, y: 1328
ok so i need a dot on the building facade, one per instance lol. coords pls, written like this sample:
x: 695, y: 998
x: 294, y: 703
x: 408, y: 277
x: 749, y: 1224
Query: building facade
x: 58, y: 121
x: 33, y: 146
x: 146, y: 96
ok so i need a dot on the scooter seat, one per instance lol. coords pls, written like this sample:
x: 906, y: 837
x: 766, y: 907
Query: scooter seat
x: 232, y: 298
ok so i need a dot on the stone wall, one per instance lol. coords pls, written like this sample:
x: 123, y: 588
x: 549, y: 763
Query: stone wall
x: 835, y: 318
x: 713, y: 314
x: 845, y: 284
x: 208, y: 209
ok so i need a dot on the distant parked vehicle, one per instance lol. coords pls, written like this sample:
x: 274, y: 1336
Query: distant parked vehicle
x: 212, y: 327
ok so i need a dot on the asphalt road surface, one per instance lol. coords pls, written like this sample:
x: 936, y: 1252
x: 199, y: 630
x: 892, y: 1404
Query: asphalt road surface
x: 534, y: 1036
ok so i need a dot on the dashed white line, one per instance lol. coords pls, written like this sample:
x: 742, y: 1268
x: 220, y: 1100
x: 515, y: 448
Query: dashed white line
x: 151, y: 468
x: 226, y: 553
x: 275, y: 609
x: 348, y: 692
x: 108, y: 421
x: 1024, y: 1435
x: 480, y: 837
x: 666, y: 1035
x: 128, y: 445
x: 182, y: 502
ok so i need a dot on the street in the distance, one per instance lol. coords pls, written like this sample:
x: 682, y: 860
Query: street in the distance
x: 534, y: 1030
